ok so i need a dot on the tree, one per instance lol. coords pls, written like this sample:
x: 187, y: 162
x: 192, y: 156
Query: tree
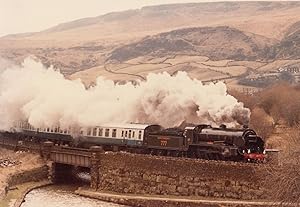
x: 287, y: 77
x: 282, y: 102
x: 261, y: 122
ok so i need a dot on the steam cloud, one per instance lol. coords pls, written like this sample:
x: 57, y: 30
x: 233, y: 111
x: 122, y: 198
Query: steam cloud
x: 45, y: 98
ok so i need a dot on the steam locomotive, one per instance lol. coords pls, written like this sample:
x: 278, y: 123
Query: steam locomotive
x: 204, y: 141
x: 199, y: 141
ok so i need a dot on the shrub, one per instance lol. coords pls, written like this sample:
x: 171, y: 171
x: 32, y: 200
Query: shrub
x: 283, y: 182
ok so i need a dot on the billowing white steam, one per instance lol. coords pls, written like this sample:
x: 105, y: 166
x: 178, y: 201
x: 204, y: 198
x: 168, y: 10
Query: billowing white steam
x: 46, y: 98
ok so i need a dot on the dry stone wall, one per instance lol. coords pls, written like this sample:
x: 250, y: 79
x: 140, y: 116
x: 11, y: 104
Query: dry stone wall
x: 145, y: 174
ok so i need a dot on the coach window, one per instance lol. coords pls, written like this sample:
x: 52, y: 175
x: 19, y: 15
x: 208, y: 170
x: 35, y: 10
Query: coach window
x: 140, y: 134
x: 129, y: 134
x: 122, y: 134
x: 107, y: 132
x: 133, y: 133
x: 55, y: 129
x: 65, y: 131
x: 209, y: 137
x: 125, y: 133
x: 114, y: 133
x: 51, y: 130
x: 89, y: 133
x: 100, y: 132
x: 95, y: 132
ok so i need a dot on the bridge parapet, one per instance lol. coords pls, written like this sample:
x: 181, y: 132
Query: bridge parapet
x: 67, y: 155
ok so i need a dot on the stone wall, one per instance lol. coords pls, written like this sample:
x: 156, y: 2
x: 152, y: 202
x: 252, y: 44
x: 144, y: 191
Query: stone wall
x: 145, y: 174
x: 34, y: 175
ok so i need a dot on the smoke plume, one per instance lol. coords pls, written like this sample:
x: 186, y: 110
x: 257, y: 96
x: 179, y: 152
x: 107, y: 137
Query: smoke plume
x: 45, y: 98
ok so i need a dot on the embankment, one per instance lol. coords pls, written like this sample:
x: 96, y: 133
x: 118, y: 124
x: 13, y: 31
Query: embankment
x: 23, y: 167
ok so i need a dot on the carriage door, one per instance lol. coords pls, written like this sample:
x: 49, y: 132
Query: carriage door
x: 123, y: 137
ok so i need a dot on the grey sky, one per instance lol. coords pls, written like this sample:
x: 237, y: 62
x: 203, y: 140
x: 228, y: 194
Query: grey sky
x: 18, y: 16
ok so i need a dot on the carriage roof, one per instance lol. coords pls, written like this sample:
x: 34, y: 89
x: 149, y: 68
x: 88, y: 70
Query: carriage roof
x: 126, y: 126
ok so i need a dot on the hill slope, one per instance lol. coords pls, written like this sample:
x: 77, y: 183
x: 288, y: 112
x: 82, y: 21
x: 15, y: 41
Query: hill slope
x: 217, y: 43
x: 289, y: 47
x: 269, y: 19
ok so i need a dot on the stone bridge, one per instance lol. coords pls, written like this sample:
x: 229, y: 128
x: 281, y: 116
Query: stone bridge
x: 65, y: 158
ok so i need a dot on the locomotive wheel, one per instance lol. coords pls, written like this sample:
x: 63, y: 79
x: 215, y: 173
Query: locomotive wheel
x: 220, y: 157
x: 174, y: 154
x: 192, y: 155
x: 152, y: 152
x: 205, y: 156
x: 184, y: 154
x: 211, y: 156
x: 198, y: 155
x: 161, y: 153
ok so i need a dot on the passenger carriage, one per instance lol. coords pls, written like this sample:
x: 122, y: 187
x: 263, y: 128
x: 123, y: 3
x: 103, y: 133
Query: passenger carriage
x: 126, y: 135
x: 132, y: 135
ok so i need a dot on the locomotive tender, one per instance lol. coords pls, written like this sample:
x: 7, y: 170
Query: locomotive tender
x: 200, y: 141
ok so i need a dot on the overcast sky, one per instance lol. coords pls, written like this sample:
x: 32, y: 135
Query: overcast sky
x: 18, y: 16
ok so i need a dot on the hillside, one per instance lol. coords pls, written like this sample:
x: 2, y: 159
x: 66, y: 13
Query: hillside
x: 289, y: 47
x: 217, y: 43
x: 269, y: 19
